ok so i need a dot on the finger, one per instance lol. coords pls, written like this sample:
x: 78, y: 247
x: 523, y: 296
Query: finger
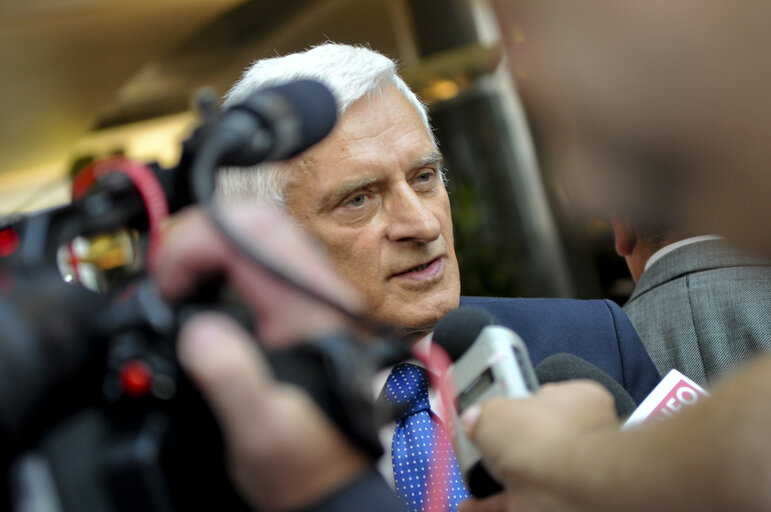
x: 489, y: 426
x: 483, y: 423
x: 194, y: 249
x: 223, y: 362
x: 194, y: 246
x: 286, y: 245
x: 191, y: 250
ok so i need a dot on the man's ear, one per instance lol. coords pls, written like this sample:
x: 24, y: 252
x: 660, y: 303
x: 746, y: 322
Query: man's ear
x: 626, y: 236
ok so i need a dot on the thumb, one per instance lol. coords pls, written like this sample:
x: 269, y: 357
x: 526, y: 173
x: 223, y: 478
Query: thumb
x: 486, y: 426
x: 224, y: 363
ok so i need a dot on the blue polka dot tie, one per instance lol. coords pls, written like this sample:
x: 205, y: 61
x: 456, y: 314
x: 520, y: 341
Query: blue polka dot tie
x: 412, y: 450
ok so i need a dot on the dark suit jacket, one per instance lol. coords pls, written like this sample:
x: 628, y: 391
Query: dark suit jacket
x: 597, y: 331
x: 703, y: 309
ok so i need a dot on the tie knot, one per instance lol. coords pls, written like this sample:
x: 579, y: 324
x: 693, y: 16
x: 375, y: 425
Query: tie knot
x: 407, y: 387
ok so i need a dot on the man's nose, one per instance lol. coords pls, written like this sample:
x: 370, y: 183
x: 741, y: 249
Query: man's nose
x: 411, y: 218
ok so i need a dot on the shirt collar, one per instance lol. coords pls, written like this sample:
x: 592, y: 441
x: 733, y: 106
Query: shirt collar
x: 676, y: 245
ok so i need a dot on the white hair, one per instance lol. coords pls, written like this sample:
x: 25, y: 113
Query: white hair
x: 350, y: 72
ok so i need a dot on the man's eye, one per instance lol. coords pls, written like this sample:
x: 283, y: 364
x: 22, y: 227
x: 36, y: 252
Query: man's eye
x: 357, y: 200
x: 426, y: 176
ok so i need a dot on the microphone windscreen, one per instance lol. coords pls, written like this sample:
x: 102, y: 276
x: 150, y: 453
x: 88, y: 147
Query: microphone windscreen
x: 315, y: 107
x: 297, y: 114
x: 564, y: 367
x: 458, y: 329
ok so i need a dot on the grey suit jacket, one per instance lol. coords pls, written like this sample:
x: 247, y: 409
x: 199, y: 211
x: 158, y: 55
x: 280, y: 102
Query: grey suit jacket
x: 703, y: 309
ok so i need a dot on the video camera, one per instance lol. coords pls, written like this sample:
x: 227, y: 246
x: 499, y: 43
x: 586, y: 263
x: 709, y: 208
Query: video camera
x: 95, y: 413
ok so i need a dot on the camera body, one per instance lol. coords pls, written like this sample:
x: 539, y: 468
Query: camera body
x: 95, y: 406
x: 101, y: 417
x: 95, y: 412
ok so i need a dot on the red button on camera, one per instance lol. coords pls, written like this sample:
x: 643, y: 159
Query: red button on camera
x: 136, y: 378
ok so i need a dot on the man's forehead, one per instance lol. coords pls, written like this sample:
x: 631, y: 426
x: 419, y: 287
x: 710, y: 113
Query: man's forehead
x: 376, y: 137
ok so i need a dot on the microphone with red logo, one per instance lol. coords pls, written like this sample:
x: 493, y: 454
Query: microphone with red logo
x: 670, y: 396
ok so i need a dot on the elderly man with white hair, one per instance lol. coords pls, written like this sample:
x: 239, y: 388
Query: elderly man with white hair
x: 373, y: 193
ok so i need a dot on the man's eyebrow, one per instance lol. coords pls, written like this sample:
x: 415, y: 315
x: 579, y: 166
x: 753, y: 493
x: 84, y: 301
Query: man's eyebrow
x: 430, y: 159
x: 333, y: 198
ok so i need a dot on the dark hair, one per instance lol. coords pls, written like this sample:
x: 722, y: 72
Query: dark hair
x: 655, y: 234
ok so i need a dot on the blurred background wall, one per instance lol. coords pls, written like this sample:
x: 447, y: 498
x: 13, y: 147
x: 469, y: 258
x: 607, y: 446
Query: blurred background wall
x: 83, y: 79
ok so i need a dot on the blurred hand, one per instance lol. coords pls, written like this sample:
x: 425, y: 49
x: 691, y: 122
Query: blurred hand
x: 282, y: 451
x: 527, y: 443
x: 194, y: 250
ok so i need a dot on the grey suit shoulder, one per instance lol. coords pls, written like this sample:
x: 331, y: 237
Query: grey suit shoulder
x: 703, y: 309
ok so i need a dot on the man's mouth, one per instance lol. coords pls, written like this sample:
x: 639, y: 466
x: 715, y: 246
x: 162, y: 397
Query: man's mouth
x: 419, y: 268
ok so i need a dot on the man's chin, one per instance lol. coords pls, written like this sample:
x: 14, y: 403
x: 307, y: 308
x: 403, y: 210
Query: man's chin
x: 421, y: 318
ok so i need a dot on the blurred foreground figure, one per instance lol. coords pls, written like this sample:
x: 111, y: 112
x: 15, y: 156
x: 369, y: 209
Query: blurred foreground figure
x: 659, y: 110
x: 664, y: 100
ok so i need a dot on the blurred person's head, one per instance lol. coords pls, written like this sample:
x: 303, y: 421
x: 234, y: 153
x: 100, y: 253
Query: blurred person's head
x: 659, y: 110
x: 636, y: 242
x: 372, y: 191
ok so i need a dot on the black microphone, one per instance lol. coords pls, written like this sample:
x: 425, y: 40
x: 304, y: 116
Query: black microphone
x: 562, y: 367
x: 457, y: 330
x: 275, y: 123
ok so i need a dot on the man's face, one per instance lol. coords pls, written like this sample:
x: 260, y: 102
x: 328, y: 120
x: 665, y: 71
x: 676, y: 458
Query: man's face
x: 373, y: 194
